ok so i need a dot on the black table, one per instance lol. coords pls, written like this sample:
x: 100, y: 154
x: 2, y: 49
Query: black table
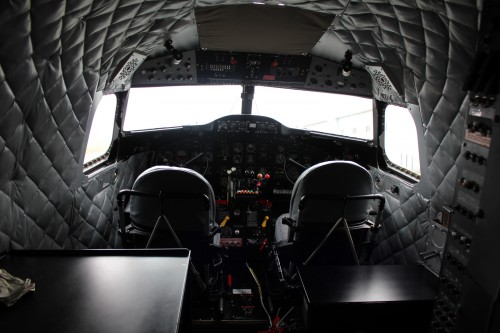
x: 388, y: 298
x: 97, y: 291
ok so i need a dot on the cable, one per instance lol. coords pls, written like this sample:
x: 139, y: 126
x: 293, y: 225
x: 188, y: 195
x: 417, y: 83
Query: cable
x: 286, y: 174
x: 286, y: 314
x: 260, y: 294
x: 206, y: 165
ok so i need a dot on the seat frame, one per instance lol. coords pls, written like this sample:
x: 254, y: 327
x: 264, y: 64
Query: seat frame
x: 346, y: 224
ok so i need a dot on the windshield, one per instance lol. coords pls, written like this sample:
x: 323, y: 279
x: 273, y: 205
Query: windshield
x: 163, y: 107
x: 316, y: 111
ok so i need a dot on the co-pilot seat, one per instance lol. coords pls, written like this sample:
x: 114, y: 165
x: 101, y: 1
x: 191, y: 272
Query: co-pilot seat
x: 328, y: 220
x: 172, y: 207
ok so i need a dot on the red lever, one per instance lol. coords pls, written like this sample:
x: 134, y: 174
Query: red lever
x: 264, y: 243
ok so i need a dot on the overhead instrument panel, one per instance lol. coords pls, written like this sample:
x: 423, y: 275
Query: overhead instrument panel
x: 166, y: 70
x: 326, y: 75
x: 221, y: 67
x: 199, y: 67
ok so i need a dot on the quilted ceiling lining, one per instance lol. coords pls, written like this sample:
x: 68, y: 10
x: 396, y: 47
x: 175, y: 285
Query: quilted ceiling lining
x: 55, y: 54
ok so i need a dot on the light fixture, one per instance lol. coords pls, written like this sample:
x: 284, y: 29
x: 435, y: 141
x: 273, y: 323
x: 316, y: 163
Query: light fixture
x: 176, y: 54
x: 346, y: 63
x: 177, y: 57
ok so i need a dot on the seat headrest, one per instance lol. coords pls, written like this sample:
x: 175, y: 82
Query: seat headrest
x: 333, y: 178
x: 173, y: 180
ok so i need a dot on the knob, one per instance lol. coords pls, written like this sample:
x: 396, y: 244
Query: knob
x: 394, y: 189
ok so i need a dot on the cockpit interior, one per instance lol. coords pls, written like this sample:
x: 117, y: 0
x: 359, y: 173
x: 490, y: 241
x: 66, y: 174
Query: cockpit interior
x: 249, y: 166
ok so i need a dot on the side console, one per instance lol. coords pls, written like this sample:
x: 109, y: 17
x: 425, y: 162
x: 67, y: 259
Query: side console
x: 468, y: 296
x: 461, y: 267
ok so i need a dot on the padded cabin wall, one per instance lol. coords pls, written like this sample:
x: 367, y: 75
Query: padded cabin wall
x: 405, y: 222
x: 54, y: 55
x: 96, y: 221
x: 46, y: 91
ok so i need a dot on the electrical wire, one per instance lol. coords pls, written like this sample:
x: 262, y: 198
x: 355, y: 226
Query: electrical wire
x: 259, y: 288
x: 286, y: 174
x: 283, y: 318
x: 206, y: 165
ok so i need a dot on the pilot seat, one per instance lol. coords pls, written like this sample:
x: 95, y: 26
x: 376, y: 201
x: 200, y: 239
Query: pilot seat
x: 330, y: 220
x: 174, y: 207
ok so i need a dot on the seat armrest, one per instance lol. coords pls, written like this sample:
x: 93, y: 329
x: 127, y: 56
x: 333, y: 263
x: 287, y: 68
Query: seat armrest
x: 290, y: 223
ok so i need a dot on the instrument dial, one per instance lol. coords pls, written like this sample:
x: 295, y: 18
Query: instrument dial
x: 238, y: 148
x: 251, y: 148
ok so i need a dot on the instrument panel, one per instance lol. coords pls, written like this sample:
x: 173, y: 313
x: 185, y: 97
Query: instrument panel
x: 252, y: 163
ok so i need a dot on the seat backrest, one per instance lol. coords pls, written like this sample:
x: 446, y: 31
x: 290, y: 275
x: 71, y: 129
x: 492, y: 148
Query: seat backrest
x: 317, y: 203
x: 185, y: 196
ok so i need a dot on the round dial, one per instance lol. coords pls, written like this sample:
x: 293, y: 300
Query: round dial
x: 238, y: 148
x: 280, y: 159
x: 164, y: 158
x: 251, y: 148
x: 181, y: 156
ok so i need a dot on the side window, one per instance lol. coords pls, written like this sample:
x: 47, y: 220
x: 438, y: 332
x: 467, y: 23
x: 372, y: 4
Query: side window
x: 400, y: 140
x: 101, y: 131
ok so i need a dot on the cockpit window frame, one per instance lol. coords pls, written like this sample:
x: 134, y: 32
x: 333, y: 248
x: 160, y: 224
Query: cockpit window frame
x: 247, y: 99
x: 420, y: 182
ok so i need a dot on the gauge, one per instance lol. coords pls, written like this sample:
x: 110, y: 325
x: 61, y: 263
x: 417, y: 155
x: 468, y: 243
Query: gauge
x: 237, y: 159
x: 164, y: 158
x: 222, y: 126
x: 181, y: 156
x: 238, y: 148
x: 292, y: 172
x: 251, y: 148
x: 280, y: 159
x: 249, y: 159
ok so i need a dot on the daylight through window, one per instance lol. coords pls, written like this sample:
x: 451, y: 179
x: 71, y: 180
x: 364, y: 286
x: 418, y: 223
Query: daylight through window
x: 400, y: 139
x: 101, y: 131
